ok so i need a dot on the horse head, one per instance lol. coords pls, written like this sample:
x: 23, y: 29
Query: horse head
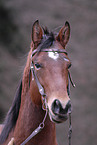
x: 51, y: 64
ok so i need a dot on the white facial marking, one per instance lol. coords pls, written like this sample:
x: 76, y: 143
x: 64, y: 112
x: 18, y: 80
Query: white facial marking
x: 53, y: 55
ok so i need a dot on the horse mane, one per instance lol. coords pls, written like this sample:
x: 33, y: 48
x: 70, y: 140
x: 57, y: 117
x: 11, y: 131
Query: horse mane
x: 12, y: 115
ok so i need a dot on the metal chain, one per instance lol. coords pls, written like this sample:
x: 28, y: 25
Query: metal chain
x: 70, y: 129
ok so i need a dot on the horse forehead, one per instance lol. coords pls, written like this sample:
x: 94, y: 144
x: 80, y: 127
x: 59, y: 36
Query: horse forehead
x: 53, y: 55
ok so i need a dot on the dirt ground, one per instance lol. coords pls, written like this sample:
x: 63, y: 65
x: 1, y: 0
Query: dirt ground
x: 16, y: 19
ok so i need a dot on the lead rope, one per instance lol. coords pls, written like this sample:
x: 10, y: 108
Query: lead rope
x: 38, y: 129
x: 44, y: 107
x: 70, y: 129
x: 70, y: 125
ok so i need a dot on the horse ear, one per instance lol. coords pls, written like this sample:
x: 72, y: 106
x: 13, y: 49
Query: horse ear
x: 36, y: 33
x: 64, y: 34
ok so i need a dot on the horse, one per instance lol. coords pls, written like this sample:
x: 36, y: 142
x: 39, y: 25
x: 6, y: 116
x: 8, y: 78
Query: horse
x: 42, y: 97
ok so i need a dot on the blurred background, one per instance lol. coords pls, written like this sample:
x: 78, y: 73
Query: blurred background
x: 16, y: 19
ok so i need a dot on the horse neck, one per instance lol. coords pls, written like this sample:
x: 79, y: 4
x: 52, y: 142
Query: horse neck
x: 31, y: 115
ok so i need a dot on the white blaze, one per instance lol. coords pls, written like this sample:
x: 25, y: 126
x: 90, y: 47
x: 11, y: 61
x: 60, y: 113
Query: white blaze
x: 53, y: 55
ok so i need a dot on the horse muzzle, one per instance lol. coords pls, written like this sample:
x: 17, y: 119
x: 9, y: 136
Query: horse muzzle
x: 58, y: 114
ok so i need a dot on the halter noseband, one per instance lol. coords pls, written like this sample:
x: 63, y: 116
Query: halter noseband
x: 42, y: 92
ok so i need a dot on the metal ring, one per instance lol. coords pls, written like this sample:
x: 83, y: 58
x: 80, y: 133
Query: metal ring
x: 41, y: 125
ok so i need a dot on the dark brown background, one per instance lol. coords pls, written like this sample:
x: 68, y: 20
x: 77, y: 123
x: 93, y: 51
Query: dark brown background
x: 16, y: 19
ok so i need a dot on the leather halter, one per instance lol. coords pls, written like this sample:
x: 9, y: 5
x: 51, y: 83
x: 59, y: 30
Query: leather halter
x: 42, y: 92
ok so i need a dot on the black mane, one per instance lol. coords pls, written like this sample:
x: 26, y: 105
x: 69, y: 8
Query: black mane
x: 12, y: 115
x: 47, y: 41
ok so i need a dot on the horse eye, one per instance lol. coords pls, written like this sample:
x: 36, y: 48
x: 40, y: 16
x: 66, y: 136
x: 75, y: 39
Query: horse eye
x: 38, y: 66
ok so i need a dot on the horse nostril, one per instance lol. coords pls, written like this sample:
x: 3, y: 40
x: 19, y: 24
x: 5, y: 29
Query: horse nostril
x: 56, y: 107
x: 67, y: 109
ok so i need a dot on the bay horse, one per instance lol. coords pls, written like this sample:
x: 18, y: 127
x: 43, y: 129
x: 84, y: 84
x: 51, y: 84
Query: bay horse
x: 42, y: 97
